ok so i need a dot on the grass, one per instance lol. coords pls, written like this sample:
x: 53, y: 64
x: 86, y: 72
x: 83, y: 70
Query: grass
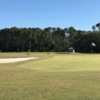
x: 51, y: 77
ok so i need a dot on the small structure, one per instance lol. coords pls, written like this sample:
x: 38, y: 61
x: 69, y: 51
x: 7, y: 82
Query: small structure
x: 71, y: 49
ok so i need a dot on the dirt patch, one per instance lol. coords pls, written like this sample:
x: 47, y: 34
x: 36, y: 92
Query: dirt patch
x: 11, y: 60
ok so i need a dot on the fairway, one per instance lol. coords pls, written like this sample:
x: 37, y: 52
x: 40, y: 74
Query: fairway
x: 51, y: 77
x: 67, y: 62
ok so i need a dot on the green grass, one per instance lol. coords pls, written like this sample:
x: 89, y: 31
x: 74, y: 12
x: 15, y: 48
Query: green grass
x: 66, y: 63
x: 51, y: 77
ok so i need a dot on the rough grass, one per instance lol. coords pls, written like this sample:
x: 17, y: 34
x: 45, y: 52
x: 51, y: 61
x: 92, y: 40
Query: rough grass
x: 51, y: 77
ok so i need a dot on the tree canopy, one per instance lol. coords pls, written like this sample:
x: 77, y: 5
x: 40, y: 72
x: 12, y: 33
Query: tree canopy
x: 48, y: 39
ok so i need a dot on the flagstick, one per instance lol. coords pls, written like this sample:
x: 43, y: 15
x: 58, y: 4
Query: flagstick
x: 92, y: 47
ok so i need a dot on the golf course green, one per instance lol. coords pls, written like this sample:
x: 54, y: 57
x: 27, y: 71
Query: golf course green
x: 52, y: 76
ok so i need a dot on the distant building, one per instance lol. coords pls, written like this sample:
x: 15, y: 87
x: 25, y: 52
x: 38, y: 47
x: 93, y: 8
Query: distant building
x: 71, y: 49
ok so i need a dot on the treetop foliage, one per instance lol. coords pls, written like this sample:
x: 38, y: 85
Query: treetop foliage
x: 49, y: 39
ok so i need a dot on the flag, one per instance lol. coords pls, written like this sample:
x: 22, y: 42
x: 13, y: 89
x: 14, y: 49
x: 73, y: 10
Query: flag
x: 93, y: 44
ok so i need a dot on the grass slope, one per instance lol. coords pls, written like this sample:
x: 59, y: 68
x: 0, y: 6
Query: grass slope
x: 51, y: 77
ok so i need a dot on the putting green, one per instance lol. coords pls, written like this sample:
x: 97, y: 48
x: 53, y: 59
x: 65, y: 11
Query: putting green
x: 67, y: 62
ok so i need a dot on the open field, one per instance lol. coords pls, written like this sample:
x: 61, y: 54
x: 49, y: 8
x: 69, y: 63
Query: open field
x: 51, y: 77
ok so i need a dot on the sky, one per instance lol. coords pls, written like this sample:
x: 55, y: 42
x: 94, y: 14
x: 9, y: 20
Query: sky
x: 80, y: 14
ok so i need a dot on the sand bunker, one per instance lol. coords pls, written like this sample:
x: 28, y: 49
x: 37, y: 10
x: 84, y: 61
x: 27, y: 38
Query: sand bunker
x: 11, y: 60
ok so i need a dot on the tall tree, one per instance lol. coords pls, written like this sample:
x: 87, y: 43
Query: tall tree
x: 93, y: 28
x: 98, y: 25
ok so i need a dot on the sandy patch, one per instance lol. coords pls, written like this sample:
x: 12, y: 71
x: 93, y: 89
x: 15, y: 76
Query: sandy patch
x: 11, y: 60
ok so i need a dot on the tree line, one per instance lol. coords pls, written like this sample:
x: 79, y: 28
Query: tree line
x: 49, y: 39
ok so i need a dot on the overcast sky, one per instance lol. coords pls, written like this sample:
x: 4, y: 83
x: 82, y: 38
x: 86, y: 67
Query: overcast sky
x: 81, y: 14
